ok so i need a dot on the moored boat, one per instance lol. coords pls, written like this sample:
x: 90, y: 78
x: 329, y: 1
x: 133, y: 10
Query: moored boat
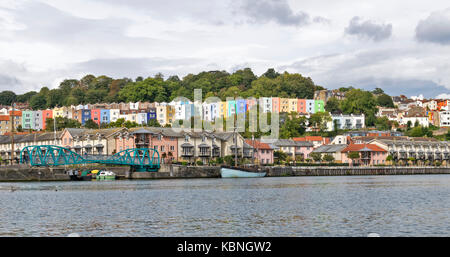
x: 106, y: 175
x: 241, y: 172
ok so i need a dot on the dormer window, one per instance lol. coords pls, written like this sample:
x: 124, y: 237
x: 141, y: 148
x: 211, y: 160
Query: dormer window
x: 203, y: 138
x: 186, y: 138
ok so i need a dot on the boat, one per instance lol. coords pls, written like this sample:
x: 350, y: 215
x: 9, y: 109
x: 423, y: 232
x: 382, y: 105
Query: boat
x: 74, y: 175
x: 106, y: 175
x: 86, y: 175
x: 241, y: 172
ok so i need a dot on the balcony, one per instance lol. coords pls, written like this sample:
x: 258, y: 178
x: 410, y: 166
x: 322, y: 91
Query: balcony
x: 204, y: 153
x: 185, y: 152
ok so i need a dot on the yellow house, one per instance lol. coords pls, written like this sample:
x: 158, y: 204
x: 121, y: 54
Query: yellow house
x: 222, y: 109
x: 292, y: 105
x: 284, y: 105
x: 165, y: 114
x: 64, y: 112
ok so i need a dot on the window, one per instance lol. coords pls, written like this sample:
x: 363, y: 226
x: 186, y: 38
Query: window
x: 162, y: 148
x: 172, y: 148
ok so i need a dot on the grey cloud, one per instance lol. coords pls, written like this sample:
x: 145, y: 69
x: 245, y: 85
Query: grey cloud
x: 134, y: 67
x: 399, y: 86
x: 435, y: 28
x: 8, y: 82
x: 368, y: 29
x: 279, y: 11
x: 43, y: 22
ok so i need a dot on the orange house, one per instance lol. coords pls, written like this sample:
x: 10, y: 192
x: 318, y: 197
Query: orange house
x: 442, y: 105
x: 301, y: 106
x: 276, y: 104
x: 95, y: 115
x: 46, y: 114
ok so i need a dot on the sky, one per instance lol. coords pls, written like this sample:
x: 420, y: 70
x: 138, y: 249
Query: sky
x: 400, y: 46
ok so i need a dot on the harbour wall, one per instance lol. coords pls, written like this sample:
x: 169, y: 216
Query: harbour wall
x: 26, y: 173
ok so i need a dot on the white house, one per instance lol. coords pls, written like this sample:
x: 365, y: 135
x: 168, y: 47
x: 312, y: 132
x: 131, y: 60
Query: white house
x: 346, y: 121
x: 444, y: 119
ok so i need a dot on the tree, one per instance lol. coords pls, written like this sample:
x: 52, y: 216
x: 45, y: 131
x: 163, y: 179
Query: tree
x: 385, y: 101
x: 328, y: 158
x: 38, y: 102
x: 25, y: 98
x: 358, y: 101
x: 353, y: 155
x: 317, y: 157
x: 153, y: 123
x: 7, y: 97
x: 279, y: 156
x: 378, y: 91
x: 293, y: 126
x: 90, y: 124
x: 61, y: 123
x: 271, y: 73
x: 319, y: 120
x: 332, y: 105
x: 383, y: 123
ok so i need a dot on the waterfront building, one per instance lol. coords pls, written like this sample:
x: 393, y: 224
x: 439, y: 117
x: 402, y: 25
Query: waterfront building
x: 334, y: 150
x: 370, y: 154
x: 290, y: 147
x: 90, y: 141
x: 263, y: 153
x: 421, y: 149
x: 315, y: 140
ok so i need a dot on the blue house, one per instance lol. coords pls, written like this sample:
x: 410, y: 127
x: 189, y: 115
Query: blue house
x: 85, y: 116
x: 104, y: 116
x: 151, y: 114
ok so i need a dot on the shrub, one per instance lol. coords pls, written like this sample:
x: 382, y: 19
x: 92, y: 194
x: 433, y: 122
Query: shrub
x: 199, y: 163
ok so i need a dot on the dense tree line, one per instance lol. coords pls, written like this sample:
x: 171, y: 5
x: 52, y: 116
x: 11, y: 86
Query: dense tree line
x: 103, y: 89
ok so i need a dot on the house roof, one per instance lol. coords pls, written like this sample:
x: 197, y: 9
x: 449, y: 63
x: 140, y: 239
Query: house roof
x: 363, y: 148
x: 308, y: 138
x: 330, y: 148
x: 257, y: 144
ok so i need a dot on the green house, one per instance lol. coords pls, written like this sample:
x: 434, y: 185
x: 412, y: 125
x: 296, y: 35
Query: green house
x: 319, y: 106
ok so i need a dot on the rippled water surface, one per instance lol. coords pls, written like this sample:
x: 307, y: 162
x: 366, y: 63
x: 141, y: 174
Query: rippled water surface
x: 286, y: 206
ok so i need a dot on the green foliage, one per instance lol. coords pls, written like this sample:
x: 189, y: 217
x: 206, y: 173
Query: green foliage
x: 353, y: 155
x: 7, y: 97
x: 319, y: 120
x: 389, y: 158
x: 358, y: 101
x: 333, y: 105
x: 383, y: 123
x: 328, y: 158
x: 199, y: 163
x: 378, y: 91
x: 153, y: 123
x: 229, y: 160
x: 317, y: 157
x: 419, y: 131
x: 90, y: 124
x: 61, y: 123
x: 385, y: 100
x: 293, y: 126
x: 279, y: 156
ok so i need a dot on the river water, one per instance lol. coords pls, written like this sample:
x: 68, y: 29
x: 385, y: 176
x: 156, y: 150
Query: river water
x: 285, y: 206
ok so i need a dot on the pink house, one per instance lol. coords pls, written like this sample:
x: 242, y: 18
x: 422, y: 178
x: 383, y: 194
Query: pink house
x: 250, y: 103
x: 264, y: 153
x: 95, y: 115
x: 276, y: 104
x: 164, y: 142
x: 370, y: 154
x: 301, y: 106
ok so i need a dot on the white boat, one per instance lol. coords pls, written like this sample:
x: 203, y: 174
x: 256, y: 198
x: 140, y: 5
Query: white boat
x: 106, y: 175
x: 230, y: 172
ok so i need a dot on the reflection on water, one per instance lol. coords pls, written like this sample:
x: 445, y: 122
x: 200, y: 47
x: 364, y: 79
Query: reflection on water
x: 286, y: 206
